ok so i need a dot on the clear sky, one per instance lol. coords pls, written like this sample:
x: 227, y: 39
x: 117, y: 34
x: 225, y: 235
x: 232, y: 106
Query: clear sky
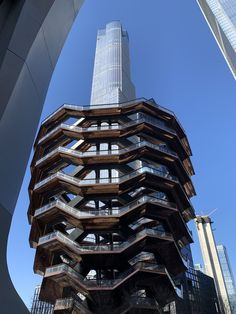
x: 175, y: 60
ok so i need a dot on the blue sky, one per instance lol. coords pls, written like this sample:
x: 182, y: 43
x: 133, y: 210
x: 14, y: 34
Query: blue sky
x: 175, y: 60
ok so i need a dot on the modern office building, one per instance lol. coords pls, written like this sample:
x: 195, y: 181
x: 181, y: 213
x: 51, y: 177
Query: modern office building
x: 211, y: 260
x: 110, y: 200
x: 221, y: 18
x: 111, y: 76
x: 199, y: 295
x: 202, y: 293
x: 228, y: 276
x: 40, y: 307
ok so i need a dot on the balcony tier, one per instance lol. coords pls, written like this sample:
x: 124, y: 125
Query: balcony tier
x: 143, y: 274
x: 111, y: 110
x: 145, y: 206
x: 115, y: 255
x: 144, y: 176
x: 62, y: 155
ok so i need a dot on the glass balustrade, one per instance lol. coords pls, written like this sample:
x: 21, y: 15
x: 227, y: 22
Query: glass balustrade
x: 78, y: 182
x: 150, y: 102
x: 113, y: 180
x: 143, y: 256
x: 57, y: 235
x: 104, y: 106
x: 75, y: 153
x: 63, y: 268
x: 134, y: 300
x: 68, y: 303
x: 107, y: 212
x: 77, y: 129
x: 64, y: 303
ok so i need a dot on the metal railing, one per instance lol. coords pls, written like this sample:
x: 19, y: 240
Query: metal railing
x: 105, y: 212
x: 143, y: 256
x: 113, y: 212
x: 69, y: 303
x: 82, y: 108
x: 91, y: 107
x: 104, y: 106
x: 64, y: 303
x: 63, y: 268
x: 76, y: 153
x: 57, y: 235
x: 77, y: 129
x: 78, y: 182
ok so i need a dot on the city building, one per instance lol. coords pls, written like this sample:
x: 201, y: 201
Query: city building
x: 110, y: 201
x: 221, y: 18
x: 40, y: 307
x: 199, y: 293
x: 111, y: 75
x: 211, y: 260
x: 228, y: 276
x: 202, y: 293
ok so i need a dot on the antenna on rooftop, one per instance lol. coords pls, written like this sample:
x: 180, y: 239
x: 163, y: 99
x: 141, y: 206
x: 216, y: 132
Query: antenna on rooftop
x: 213, y: 210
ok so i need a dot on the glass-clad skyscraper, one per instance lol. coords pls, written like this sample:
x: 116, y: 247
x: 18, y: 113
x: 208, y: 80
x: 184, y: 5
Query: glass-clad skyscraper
x: 221, y: 17
x: 111, y: 76
x: 230, y: 8
x: 228, y: 276
x: 40, y: 307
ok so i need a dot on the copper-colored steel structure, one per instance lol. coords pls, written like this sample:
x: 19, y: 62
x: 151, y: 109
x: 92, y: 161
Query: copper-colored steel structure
x: 109, y: 203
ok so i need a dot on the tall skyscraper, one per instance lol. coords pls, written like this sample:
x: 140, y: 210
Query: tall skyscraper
x: 110, y: 196
x: 228, y: 276
x: 221, y: 18
x: 111, y: 76
x: 211, y: 260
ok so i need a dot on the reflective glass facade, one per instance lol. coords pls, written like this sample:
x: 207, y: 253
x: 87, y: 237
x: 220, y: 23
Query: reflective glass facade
x: 199, y: 295
x: 221, y: 17
x: 230, y: 8
x: 228, y: 276
x: 40, y: 307
x: 111, y: 76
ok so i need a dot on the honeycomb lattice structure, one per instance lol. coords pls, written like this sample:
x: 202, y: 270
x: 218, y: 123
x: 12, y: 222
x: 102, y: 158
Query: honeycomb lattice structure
x: 109, y: 203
